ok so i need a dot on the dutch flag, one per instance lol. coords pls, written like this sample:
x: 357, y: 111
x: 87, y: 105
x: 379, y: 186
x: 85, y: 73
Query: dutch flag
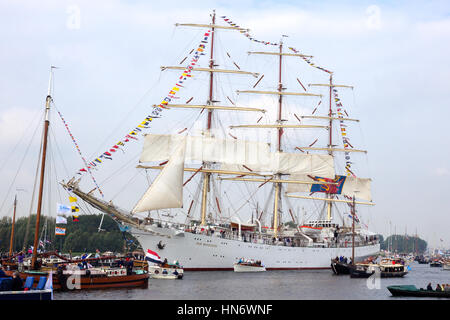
x: 152, y: 256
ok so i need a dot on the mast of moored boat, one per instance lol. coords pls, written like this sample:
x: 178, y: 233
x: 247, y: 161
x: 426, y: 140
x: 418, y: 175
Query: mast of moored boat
x: 353, y: 230
x: 42, y: 174
x: 11, y: 243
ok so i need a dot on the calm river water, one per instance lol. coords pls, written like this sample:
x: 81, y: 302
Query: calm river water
x: 269, y: 285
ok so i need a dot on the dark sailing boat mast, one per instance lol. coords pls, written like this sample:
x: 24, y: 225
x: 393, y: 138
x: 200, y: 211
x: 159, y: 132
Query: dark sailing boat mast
x: 353, y: 231
x: 11, y: 243
x: 42, y: 174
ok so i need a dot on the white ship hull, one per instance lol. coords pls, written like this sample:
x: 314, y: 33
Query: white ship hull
x: 202, y: 252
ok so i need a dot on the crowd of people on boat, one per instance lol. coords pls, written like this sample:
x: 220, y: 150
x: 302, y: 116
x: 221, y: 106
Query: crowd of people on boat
x: 343, y: 260
x: 17, y: 282
x: 249, y: 261
x: 265, y: 238
x: 439, y: 287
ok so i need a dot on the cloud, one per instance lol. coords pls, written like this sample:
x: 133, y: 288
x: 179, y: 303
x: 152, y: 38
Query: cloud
x: 14, y: 123
x: 442, y: 172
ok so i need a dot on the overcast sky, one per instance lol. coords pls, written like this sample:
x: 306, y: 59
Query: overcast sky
x: 395, y: 53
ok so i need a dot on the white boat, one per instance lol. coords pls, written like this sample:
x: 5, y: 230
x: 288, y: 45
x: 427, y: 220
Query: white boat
x: 160, y: 272
x: 216, y: 232
x: 446, y: 266
x: 249, y: 266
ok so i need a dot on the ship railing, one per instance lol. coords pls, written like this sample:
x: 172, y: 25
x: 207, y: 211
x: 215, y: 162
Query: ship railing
x: 256, y: 238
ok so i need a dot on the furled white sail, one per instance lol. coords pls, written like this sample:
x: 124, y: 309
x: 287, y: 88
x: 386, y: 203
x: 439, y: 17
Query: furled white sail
x: 357, y: 187
x: 167, y: 189
x: 159, y: 147
x: 234, y: 154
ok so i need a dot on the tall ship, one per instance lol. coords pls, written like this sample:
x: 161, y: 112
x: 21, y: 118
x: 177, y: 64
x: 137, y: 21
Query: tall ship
x: 246, y: 176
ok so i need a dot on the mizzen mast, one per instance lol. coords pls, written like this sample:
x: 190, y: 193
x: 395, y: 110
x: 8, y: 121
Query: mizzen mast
x: 330, y: 117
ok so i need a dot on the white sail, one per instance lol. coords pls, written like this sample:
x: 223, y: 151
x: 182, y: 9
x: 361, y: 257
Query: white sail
x: 159, y: 147
x: 357, y: 187
x: 235, y: 154
x: 167, y: 189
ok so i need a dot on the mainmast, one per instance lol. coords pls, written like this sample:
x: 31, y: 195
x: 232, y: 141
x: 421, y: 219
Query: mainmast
x: 207, y: 175
x: 280, y: 133
x: 41, y: 184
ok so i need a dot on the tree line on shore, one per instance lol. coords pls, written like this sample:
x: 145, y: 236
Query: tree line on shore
x: 404, y: 244
x: 80, y: 236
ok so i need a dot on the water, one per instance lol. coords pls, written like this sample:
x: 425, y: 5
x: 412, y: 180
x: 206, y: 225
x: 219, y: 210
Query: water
x: 269, y: 285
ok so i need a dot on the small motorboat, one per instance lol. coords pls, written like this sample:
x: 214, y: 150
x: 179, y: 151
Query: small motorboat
x: 166, y: 271
x: 436, y: 263
x: 412, y: 291
x: 446, y: 266
x: 249, y: 266
x: 387, y: 268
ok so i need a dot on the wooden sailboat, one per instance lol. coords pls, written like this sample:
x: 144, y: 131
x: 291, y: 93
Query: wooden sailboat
x: 69, y: 279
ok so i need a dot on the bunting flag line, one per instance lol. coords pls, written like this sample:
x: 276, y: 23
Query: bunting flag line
x: 345, y: 140
x: 356, y: 218
x: 81, y: 155
x: 157, y: 110
x: 245, y: 33
x: 308, y: 61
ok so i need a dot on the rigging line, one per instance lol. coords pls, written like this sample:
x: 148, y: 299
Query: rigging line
x: 52, y: 134
x: 247, y: 201
x: 79, y: 151
x: 21, y: 138
x: 128, y: 182
x: 36, y: 175
x: 20, y: 166
x: 132, y: 161
x: 59, y: 151
x: 123, y: 118
x: 121, y: 122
